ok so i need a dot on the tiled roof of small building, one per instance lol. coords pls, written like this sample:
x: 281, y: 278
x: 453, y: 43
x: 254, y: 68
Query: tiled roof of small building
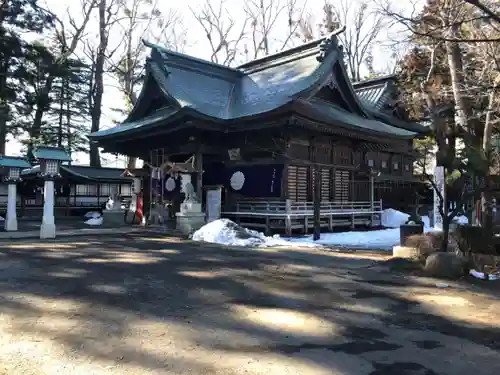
x: 95, y: 174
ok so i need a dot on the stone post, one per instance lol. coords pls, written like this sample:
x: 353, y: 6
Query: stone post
x: 11, y: 217
x: 50, y: 159
x: 13, y: 166
x: 48, y: 227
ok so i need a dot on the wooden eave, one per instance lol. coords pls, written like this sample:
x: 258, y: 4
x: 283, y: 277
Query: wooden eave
x: 340, y: 129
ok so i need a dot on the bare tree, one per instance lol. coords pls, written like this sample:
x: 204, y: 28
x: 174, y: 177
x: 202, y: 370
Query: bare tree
x: 363, y: 29
x: 486, y: 8
x: 267, y: 17
x: 140, y: 20
x: 267, y: 26
x: 466, y: 41
x: 223, y: 32
x: 99, y: 55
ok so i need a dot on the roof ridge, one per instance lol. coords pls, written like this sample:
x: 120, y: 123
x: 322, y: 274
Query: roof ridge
x: 373, y: 81
x: 196, y: 60
x: 322, y: 44
x: 89, y: 166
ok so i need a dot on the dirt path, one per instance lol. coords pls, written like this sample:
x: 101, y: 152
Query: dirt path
x: 135, y: 305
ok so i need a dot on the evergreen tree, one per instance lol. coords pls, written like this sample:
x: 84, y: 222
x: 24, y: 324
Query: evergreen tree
x: 69, y: 114
x: 17, y: 18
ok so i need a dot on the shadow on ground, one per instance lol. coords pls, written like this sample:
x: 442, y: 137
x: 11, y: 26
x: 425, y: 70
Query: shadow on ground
x: 157, y: 305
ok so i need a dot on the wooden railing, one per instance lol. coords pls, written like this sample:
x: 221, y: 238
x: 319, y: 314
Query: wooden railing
x: 272, y: 208
x: 289, y: 215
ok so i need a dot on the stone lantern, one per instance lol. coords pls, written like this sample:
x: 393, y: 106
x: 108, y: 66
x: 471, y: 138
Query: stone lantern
x: 50, y: 159
x: 11, y: 167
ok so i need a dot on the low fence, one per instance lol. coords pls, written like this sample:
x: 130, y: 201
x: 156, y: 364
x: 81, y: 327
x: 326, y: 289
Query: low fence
x: 289, y: 215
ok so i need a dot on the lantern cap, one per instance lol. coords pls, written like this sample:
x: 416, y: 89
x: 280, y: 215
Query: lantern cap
x: 51, y: 153
x: 14, y: 162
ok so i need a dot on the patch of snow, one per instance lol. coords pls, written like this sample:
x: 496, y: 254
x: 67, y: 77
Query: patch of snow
x: 92, y: 215
x: 227, y: 232
x: 94, y: 221
x: 427, y: 221
x: 462, y: 220
x: 393, y: 218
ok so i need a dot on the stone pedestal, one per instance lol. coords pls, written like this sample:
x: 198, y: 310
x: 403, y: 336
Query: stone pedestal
x: 114, y: 214
x: 113, y: 217
x: 190, y: 218
x: 11, y: 217
x: 48, y: 227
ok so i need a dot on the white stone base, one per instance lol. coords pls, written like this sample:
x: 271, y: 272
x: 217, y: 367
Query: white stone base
x: 190, y: 207
x: 10, y: 224
x: 189, y: 222
x: 47, y: 230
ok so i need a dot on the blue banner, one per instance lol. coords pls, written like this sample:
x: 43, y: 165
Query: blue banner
x: 256, y: 181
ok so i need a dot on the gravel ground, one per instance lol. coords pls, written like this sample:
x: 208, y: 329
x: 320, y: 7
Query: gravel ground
x: 137, y: 305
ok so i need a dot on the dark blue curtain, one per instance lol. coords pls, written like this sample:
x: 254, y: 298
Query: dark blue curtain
x: 260, y: 181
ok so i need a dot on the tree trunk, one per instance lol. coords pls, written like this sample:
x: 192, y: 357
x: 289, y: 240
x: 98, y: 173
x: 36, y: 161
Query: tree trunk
x: 61, y: 114
x: 487, y: 196
x: 446, y: 233
x: 463, y: 109
x: 129, y: 86
x: 4, y: 108
x: 41, y: 107
x: 69, y: 133
x: 443, y: 149
x: 96, y: 111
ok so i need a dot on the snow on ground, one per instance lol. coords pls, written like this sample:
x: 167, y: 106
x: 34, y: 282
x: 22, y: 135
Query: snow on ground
x: 226, y: 232
x: 93, y: 218
x: 94, y: 221
x: 393, y: 218
x: 92, y: 214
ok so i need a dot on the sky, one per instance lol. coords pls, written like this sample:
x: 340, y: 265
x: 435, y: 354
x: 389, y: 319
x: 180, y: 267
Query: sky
x: 194, y: 43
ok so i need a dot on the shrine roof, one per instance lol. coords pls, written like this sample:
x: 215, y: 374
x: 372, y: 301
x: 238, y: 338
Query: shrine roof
x: 85, y: 174
x: 95, y: 174
x: 374, y: 93
x: 325, y: 111
x: 196, y: 89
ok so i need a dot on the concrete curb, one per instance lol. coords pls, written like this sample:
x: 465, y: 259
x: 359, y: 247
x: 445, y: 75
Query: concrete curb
x: 6, y: 236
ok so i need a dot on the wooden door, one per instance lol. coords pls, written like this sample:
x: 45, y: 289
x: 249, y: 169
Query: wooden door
x: 342, y: 180
x: 297, y: 183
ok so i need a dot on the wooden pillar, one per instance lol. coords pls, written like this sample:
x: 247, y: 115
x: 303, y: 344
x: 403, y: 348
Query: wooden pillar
x: 372, y: 196
x: 317, y: 202
x: 288, y: 220
x: 198, y: 160
x: 98, y: 192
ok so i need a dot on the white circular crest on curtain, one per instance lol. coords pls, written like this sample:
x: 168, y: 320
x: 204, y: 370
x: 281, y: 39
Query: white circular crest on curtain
x: 170, y: 184
x: 237, y: 180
